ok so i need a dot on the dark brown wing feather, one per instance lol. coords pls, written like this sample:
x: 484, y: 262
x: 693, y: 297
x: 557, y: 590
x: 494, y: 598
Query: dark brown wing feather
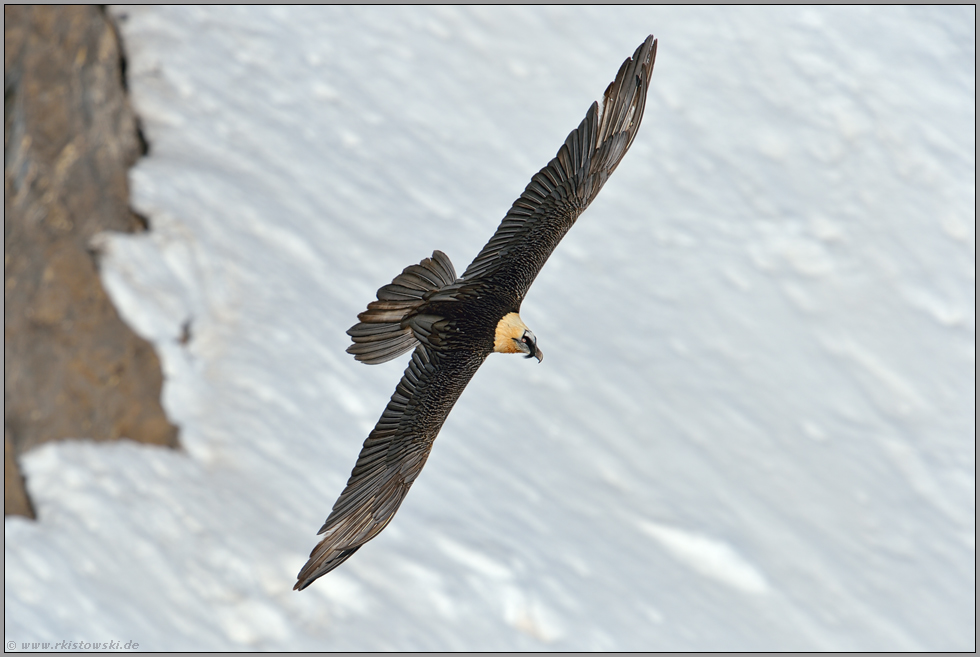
x: 392, y: 456
x: 561, y: 191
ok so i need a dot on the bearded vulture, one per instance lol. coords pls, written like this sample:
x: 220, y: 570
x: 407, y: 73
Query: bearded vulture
x: 453, y: 323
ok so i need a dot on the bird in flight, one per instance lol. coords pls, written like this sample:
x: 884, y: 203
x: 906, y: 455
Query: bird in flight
x: 454, y: 323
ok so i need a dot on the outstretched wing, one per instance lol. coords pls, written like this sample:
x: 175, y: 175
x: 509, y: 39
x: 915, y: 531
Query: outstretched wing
x: 561, y: 191
x: 392, y: 456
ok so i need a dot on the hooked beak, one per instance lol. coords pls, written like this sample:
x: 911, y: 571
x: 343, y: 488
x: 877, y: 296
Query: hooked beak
x: 530, y: 349
x: 535, y: 353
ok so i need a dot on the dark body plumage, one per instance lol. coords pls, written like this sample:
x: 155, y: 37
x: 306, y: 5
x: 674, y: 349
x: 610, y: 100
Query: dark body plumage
x: 455, y: 323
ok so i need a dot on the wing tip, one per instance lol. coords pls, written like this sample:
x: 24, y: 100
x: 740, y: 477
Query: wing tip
x: 317, y: 566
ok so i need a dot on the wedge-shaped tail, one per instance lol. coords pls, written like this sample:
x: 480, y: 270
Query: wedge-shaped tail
x: 383, y: 332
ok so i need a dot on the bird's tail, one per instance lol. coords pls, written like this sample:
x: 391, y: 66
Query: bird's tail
x: 382, y: 333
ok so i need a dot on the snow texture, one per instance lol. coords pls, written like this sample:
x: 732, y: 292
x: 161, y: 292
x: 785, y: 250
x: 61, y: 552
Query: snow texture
x: 754, y: 429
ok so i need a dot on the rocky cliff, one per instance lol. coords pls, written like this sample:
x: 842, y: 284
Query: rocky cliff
x: 72, y: 368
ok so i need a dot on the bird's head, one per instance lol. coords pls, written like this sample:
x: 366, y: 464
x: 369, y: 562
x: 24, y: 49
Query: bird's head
x: 514, y: 337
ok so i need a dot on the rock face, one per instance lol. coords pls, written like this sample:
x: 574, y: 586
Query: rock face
x: 72, y: 368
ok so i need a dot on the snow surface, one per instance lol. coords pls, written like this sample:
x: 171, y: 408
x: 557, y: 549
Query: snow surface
x: 754, y: 428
